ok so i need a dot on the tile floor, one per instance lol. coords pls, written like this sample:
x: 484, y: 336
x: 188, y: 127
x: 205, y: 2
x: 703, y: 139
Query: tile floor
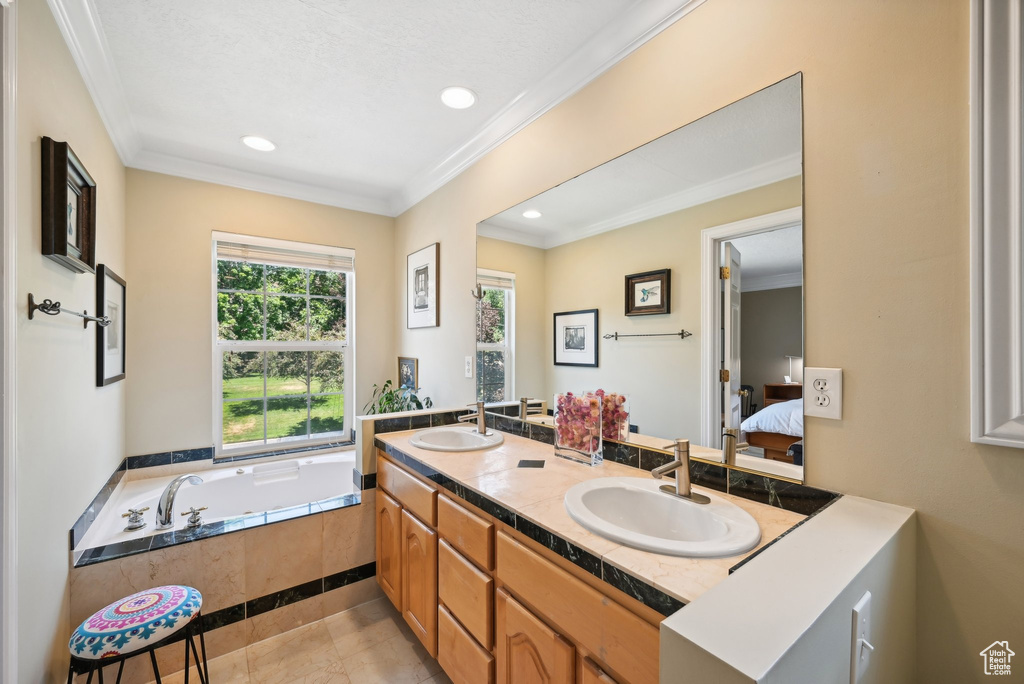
x: 368, y: 644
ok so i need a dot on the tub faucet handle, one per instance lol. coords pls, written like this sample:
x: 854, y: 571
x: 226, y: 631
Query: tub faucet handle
x: 194, y: 517
x: 135, y: 521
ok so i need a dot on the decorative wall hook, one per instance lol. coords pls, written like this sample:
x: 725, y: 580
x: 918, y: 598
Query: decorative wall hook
x: 478, y: 292
x: 52, y: 308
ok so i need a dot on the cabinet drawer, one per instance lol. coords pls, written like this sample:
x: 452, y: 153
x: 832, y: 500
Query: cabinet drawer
x: 467, y: 592
x: 627, y: 643
x: 471, y: 535
x: 417, y: 497
x: 590, y: 673
x: 462, y: 659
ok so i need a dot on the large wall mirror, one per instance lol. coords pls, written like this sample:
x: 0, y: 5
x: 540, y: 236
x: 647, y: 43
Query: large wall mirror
x: 614, y: 280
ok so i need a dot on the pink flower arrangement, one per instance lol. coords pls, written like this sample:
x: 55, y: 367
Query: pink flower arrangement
x: 614, y: 415
x: 577, y: 420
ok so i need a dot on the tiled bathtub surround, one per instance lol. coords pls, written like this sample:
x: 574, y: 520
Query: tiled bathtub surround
x: 256, y: 582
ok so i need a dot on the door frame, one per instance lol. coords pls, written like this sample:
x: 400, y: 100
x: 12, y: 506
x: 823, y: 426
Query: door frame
x: 711, y: 240
x: 8, y: 339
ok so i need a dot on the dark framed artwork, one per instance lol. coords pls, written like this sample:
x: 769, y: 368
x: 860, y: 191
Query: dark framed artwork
x: 408, y: 372
x: 111, y: 298
x: 69, y: 208
x: 649, y: 293
x: 422, y: 282
x: 575, y: 334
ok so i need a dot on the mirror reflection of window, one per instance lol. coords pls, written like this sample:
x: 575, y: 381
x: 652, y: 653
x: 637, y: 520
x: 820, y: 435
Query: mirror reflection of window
x: 495, y: 313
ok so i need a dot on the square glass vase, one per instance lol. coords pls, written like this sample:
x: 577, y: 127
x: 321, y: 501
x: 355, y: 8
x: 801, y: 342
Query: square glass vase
x: 578, y: 428
x: 614, y: 416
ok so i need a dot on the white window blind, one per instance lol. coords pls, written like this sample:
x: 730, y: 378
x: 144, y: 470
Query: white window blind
x: 495, y: 280
x: 290, y: 254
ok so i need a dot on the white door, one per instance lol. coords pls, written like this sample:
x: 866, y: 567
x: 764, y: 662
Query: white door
x: 732, y: 402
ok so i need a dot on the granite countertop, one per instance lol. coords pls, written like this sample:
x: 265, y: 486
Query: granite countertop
x: 535, y: 495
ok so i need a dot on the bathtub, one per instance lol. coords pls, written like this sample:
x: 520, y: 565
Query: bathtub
x: 233, y: 492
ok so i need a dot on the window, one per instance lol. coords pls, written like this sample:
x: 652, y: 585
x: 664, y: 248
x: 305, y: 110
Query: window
x: 282, y: 343
x: 495, y: 313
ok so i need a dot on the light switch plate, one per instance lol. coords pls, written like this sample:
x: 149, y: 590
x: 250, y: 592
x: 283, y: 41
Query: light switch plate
x: 860, y: 642
x: 823, y: 393
x: 469, y: 366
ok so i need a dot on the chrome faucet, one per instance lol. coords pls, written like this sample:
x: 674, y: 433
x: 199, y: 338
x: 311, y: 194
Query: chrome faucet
x: 525, y: 411
x: 166, y: 502
x: 480, y: 417
x: 729, y: 438
x: 681, y: 466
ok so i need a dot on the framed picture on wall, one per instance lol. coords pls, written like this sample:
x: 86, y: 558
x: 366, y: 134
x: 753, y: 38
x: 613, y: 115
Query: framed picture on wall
x: 649, y: 293
x: 575, y: 340
x: 422, y: 300
x: 69, y: 208
x: 408, y: 372
x: 110, y: 350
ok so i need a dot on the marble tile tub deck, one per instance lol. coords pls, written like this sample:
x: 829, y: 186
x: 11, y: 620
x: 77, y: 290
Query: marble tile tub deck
x: 531, y: 500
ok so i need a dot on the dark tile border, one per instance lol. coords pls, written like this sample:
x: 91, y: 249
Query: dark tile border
x: 364, y: 482
x: 85, y: 521
x: 350, y: 576
x: 175, y: 537
x: 640, y: 590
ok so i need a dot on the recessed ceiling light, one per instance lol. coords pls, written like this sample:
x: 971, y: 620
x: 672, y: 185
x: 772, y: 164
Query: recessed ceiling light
x: 258, y: 143
x: 531, y: 213
x: 458, y: 97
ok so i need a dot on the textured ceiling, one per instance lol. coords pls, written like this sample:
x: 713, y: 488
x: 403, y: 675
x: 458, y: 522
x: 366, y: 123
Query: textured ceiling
x: 347, y: 89
x: 751, y: 142
x: 771, y: 255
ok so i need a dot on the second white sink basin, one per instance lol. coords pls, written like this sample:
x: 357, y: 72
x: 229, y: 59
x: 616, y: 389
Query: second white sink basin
x: 456, y: 438
x: 634, y: 512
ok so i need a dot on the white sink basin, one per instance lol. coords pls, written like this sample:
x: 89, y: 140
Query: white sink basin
x: 456, y: 438
x: 634, y: 512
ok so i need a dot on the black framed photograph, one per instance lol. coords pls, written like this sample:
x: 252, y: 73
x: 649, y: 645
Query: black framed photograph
x: 575, y: 340
x: 422, y: 279
x: 111, y: 298
x: 649, y: 293
x: 69, y: 208
x: 408, y: 372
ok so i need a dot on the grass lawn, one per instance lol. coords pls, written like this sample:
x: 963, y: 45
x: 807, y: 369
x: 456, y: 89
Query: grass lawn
x: 243, y: 420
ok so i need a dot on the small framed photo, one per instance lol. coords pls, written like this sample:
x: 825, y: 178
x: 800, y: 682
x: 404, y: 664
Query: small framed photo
x: 69, y: 208
x: 422, y: 299
x: 575, y: 340
x: 649, y: 293
x: 110, y: 302
x: 408, y: 372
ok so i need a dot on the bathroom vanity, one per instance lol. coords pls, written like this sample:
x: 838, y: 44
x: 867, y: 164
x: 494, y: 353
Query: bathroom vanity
x: 478, y: 553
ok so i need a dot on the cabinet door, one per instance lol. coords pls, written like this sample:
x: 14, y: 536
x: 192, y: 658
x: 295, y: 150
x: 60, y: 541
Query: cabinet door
x: 592, y: 674
x: 419, y: 580
x: 528, y: 651
x: 389, y: 547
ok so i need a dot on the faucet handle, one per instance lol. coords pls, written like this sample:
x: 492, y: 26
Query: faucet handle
x: 194, y: 511
x: 134, y: 513
x: 194, y: 517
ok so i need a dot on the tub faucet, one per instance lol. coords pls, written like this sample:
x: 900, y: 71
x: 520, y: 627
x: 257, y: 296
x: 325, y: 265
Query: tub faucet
x: 681, y: 465
x: 166, y: 503
x: 480, y: 417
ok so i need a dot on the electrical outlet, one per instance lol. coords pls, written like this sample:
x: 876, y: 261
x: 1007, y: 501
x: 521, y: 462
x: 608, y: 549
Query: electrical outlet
x: 825, y: 398
x: 469, y: 366
x: 860, y: 639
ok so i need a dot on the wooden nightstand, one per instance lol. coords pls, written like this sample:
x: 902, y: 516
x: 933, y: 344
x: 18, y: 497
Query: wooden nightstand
x: 781, y: 391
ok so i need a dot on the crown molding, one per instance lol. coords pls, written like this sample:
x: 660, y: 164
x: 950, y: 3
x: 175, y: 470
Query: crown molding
x: 79, y: 23
x: 613, y: 43
x: 748, y: 179
x: 246, y: 180
x: 772, y: 282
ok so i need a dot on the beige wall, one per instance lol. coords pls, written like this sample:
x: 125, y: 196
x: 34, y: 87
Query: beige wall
x: 886, y: 208
x: 530, y: 316
x: 170, y: 224
x: 661, y: 376
x: 70, y: 434
x: 771, y: 327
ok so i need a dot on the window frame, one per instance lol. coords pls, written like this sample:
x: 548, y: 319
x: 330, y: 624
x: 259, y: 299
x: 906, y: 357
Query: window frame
x: 346, y: 347
x: 508, y: 346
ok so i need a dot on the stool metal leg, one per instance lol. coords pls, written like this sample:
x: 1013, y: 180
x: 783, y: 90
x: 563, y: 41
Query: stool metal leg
x: 202, y: 643
x: 120, y: 669
x: 156, y: 668
x: 187, y: 639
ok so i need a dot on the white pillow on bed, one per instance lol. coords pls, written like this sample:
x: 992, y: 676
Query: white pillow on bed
x: 785, y: 417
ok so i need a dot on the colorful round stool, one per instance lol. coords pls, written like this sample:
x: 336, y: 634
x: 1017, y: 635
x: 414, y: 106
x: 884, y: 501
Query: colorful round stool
x: 139, y: 624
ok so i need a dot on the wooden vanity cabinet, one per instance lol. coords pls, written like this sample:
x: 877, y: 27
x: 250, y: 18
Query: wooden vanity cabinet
x: 419, y: 580
x: 389, y: 547
x: 528, y: 651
